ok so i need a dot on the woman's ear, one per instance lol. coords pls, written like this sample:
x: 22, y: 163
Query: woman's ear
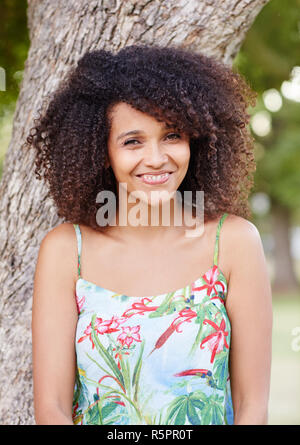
x: 107, y: 164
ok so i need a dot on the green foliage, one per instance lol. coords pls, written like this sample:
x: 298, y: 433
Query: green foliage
x: 266, y: 58
x: 278, y: 167
x: 14, y: 45
x: 271, y: 47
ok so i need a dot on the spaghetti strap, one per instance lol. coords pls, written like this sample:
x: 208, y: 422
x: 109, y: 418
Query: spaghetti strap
x: 216, y: 253
x: 78, y: 236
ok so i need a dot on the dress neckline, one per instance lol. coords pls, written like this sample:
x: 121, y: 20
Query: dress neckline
x: 214, y: 267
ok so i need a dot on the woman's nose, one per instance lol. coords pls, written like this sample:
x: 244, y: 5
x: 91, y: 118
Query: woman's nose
x: 155, y: 155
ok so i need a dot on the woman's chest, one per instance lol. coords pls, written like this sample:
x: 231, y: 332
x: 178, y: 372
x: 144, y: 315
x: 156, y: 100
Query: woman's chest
x: 148, y: 270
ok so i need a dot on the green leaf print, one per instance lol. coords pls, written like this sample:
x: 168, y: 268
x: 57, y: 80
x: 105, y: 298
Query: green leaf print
x: 174, y: 407
x: 177, y: 305
x: 180, y: 418
x: 212, y: 411
x: 137, y: 371
x: 206, y: 414
x: 187, y: 406
x: 164, y: 307
x: 92, y: 415
x: 128, y: 383
x: 108, y: 409
x: 96, y: 413
x: 221, y: 369
x: 104, y: 354
x: 217, y: 415
x: 197, y: 403
x: 113, y: 419
x: 126, y: 375
x: 199, y: 399
x: 192, y: 414
x: 200, y: 317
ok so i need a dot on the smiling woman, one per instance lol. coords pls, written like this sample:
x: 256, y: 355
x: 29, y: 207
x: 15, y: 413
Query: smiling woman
x: 155, y: 156
x: 197, y: 95
x: 153, y: 326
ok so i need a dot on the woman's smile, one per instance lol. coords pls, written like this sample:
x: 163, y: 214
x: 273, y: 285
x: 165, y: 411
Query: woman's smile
x: 154, y: 179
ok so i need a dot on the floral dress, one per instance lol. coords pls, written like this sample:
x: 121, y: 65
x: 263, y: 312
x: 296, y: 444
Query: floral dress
x: 153, y: 360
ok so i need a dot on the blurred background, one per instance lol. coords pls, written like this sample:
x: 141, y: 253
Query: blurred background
x: 270, y: 61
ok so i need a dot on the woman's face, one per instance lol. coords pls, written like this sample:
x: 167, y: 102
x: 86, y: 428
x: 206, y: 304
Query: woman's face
x: 141, y: 149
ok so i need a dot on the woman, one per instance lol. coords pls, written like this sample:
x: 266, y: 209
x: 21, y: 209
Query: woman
x: 157, y: 324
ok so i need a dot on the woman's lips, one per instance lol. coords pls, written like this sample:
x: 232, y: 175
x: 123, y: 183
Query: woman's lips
x: 155, y: 179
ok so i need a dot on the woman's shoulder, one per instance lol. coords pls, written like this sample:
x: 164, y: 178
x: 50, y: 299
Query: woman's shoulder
x: 58, y: 248
x: 60, y: 236
x: 240, y: 245
x: 241, y: 240
x: 63, y: 238
x: 239, y: 228
x: 56, y: 262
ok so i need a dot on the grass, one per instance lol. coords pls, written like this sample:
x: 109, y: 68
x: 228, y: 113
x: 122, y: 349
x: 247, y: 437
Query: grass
x: 284, y: 406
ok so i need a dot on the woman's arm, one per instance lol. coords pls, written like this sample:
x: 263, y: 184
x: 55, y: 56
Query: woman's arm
x: 249, y: 307
x: 54, y: 318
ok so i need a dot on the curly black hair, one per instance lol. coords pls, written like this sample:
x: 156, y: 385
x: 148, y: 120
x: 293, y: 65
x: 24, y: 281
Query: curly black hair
x: 199, y: 95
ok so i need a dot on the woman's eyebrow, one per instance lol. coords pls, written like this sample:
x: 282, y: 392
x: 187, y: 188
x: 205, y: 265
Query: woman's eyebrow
x: 131, y: 132
x: 127, y: 133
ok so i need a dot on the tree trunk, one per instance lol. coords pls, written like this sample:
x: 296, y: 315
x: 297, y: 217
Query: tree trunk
x: 60, y: 33
x: 285, y: 280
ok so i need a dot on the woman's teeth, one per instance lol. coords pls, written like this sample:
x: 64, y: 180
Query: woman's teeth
x: 155, y: 178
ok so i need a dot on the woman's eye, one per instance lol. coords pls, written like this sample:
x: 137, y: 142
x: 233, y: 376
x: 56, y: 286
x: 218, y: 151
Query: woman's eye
x: 131, y: 141
x: 173, y: 136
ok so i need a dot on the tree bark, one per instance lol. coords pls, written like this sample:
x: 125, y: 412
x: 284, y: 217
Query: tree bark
x: 60, y: 33
x: 285, y: 280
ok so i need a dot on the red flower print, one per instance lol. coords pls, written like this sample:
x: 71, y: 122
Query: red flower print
x: 164, y: 337
x: 111, y: 377
x: 186, y: 314
x: 211, y: 279
x: 80, y: 303
x: 216, y: 297
x: 107, y: 326
x: 102, y: 327
x: 129, y: 335
x: 139, y: 308
x: 117, y: 401
x: 215, y: 341
x: 77, y: 416
x: 193, y: 372
x: 119, y: 355
x: 88, y: 334
x: 74, y: 410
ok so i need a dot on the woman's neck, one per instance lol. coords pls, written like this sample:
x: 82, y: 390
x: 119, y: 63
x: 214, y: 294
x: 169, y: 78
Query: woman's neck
x: 142, y: 221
